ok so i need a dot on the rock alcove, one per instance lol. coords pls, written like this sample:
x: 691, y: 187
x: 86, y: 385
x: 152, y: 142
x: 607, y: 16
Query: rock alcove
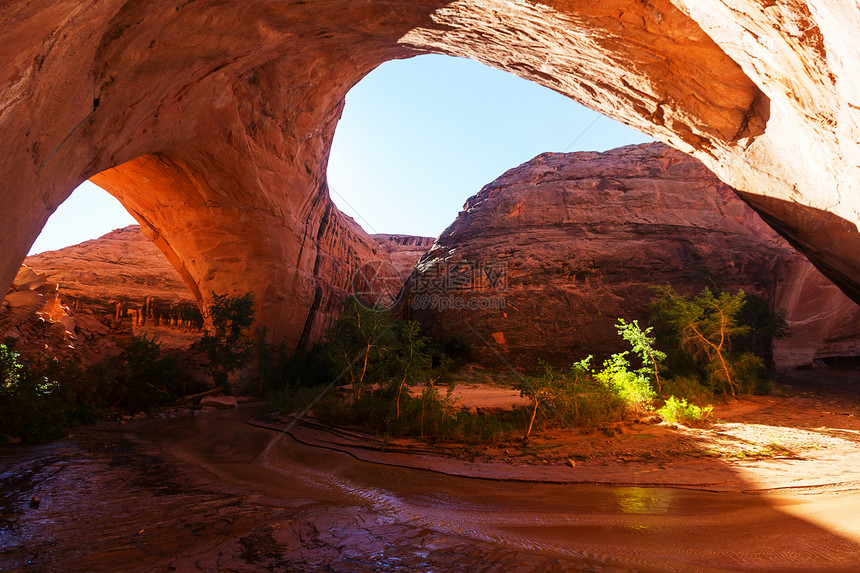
x: 212, y: 123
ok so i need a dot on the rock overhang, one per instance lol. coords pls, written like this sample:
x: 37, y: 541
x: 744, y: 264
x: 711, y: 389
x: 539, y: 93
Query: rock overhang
x: 213, y: 122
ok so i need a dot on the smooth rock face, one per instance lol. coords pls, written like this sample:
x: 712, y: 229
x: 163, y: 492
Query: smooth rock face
x: 824, y: 322
x: 212, y: 121
x: 569, y: 242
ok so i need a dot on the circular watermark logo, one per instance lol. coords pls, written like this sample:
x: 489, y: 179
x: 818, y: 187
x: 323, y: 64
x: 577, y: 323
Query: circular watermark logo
x: 377, y: 285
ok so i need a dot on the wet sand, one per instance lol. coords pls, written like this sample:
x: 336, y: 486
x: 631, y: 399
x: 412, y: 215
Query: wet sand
x: 212, y: 493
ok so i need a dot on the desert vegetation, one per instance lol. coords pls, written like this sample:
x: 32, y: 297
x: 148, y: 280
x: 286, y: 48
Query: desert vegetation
x: 41, y: 401
x: 383, y: 374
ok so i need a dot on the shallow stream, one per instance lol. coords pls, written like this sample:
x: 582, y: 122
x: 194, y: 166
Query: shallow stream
x: 211, y: 493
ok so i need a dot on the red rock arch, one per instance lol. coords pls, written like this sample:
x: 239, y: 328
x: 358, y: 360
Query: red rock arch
x: 212, y: 120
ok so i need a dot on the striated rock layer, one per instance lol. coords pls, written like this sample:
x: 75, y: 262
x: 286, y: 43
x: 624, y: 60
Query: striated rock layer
x: 212, y: 121
x: 541, y: 262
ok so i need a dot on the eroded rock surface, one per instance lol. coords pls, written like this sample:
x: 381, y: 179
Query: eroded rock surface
x: 41, y: 326
x: 212, y: 122
x: 114, y: 287
x: 542, y: 261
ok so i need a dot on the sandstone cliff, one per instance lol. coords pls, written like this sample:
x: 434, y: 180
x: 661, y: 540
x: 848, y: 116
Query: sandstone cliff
x: 96, y: 294
x: 568, y: 242
x: 86, y: 297
x: 212, y: 121
x: 404, y: 251
x: 121, y: 275
x: 35, y: 319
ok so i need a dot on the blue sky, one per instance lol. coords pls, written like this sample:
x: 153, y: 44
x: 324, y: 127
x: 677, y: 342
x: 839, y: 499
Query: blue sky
x: 417, y: 138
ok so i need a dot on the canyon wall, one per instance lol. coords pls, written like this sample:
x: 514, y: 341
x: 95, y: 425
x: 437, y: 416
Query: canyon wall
x: 404, y: 251
x: 121, y: 275
x: 542, y: 261
x: 212, y: 121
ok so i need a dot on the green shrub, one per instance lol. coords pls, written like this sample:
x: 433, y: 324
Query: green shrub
x: 30, y: 408
x: 643, y: 346
x: 578, y: 397
x: 10, y: 367
x: 676, y: 411
x: 687, y: 387
x: 41, y: 402
x: 632, y: 387
x: 141, y: 377
x: 429, y: 415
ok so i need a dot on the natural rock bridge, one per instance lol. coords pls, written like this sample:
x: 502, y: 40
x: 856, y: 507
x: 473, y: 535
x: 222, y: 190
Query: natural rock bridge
x: 211, y: 121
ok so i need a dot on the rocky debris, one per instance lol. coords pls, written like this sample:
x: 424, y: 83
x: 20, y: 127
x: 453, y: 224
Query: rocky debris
x: 42, y: 327
x: 542, y: 261
x: 88, y: 299
x: 213, y: 125
x: 404, y: 250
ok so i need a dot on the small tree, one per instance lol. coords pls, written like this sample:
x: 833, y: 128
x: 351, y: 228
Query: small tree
x: 412, y: 359
x: 545, y: 388
x: 359, y: 342
x: 643, y: 346
x: 703, y: 328
x: 227, y: 344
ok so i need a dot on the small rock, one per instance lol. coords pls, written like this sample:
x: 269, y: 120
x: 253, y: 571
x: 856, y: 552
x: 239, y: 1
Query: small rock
x: 571, y: 463
x: 35, y: 501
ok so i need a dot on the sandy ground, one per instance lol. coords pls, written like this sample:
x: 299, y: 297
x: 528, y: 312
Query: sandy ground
x: 805, y: 437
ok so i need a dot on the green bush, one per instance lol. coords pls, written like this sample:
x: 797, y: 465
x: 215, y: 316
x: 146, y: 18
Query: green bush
x: 581, y: 396
x: 31, y: 409
x: 585, y: 397
x: 676, y: 411
x: 689, y: 388
x: 10, y: 367
x: 632, y: 387
x: 141, y: 377
x: 41, y: 402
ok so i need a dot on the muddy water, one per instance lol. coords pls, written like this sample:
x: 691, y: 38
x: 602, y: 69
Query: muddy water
x: 210, y: 493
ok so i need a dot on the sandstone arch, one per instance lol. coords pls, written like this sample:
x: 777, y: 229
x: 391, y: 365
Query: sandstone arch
x: 211, y: 120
